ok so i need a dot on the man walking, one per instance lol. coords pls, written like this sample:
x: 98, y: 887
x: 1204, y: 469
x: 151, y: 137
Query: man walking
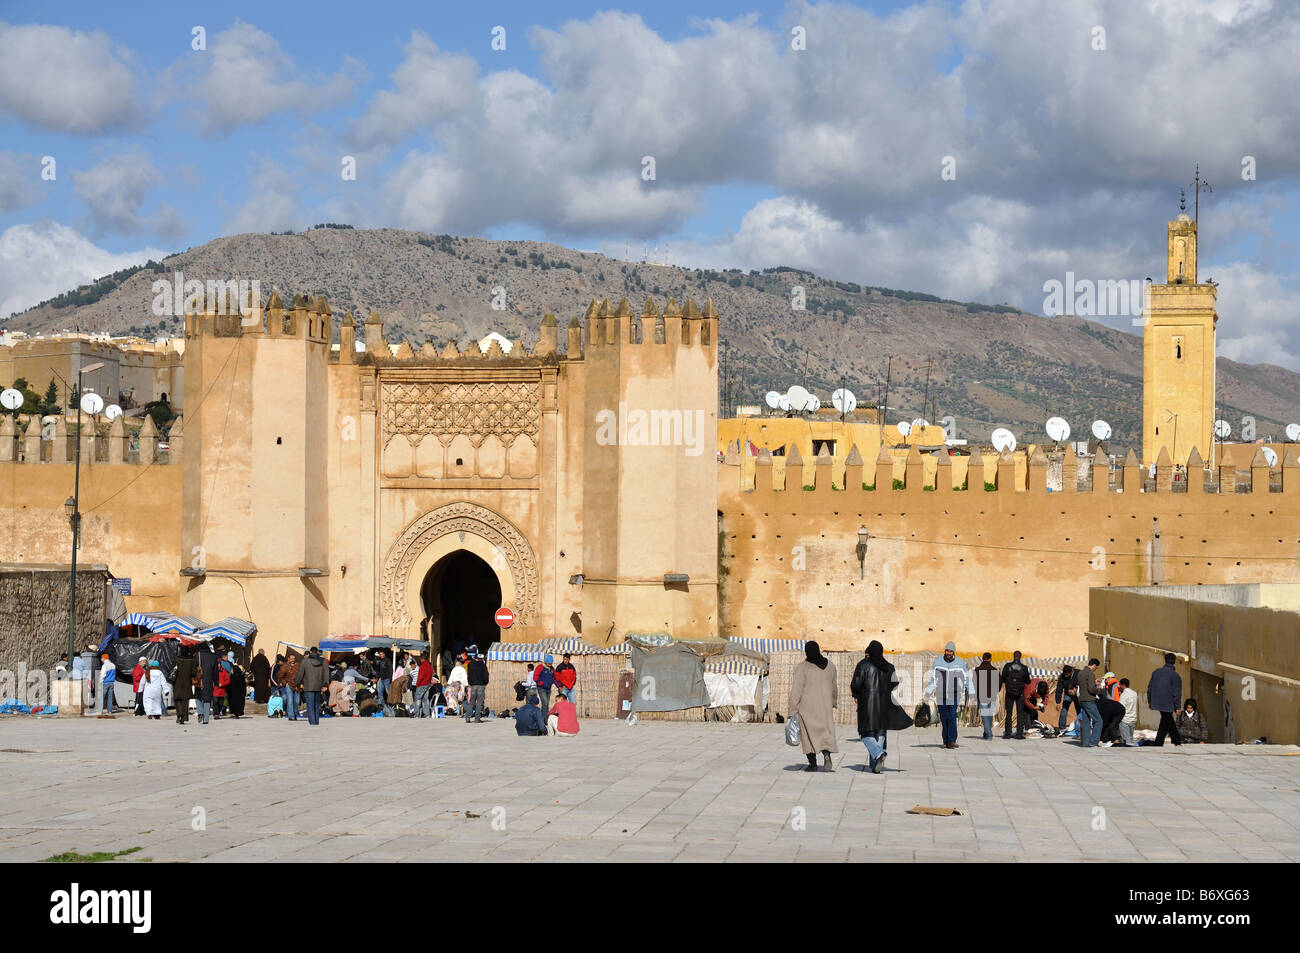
x: 1015, y: 675
x: 384, y: 675
x: 1164, y: 694
x: 947, y: 685
x: 1085, y: 695
x: 1129, y: 699
x: 477, y: 671
x: 986, y: 693
x: 313, y: 677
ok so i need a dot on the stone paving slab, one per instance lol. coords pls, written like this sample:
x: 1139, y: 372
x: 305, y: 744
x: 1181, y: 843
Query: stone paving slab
x: 385, y: 790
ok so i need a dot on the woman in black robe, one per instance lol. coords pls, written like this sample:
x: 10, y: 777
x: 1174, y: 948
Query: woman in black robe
x: 261, y: 678
x: 237, y: 691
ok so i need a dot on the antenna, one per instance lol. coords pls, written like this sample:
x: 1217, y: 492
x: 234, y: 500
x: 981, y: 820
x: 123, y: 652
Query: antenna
x: 926, y: 399
x: 884, y: 405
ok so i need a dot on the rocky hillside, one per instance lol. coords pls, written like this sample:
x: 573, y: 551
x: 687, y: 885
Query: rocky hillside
x: 989, y: 366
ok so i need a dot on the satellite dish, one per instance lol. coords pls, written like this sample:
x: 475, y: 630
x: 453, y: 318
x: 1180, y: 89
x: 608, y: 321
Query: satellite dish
x: 1222, y: 429
x: 920, y: 422
x: 91, y: 403
x: 816, y: 404
x: 1058, y: 429
x: 1293, y: 432
x: 1101, y: 430
x: 783, y: 403
x: 904, y: 428
x: 11, y: 399
x: 1270, y: 455
x: 799, y: 398
x: 1003, y: 439
x: 844, y: 401
x: 112, y: 411
x: 773, y: 399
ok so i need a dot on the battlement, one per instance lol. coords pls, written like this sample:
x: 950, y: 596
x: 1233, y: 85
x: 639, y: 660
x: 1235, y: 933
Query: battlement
x: 940, y: 474
x: 613, y: 326
x: 113, y: 444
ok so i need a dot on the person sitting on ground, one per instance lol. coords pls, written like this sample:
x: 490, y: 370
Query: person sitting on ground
x: 1113, y: 689
x: 563, y: 719
x: 529, y: 720
x: 1191, y: 724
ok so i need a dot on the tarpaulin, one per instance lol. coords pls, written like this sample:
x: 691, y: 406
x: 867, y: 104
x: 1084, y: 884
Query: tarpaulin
x: 124, y: 653
x: 731, y: 689
x: 668, y: 677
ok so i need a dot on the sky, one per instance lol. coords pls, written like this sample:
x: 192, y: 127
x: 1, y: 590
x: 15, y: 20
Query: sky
x: 974, y: 150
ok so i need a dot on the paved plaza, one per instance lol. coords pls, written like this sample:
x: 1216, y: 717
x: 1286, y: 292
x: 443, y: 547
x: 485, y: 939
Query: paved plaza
x: 440, y: 790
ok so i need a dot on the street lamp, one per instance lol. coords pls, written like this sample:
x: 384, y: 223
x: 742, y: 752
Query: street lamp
x: 73, y: 507
x: 863, y: 535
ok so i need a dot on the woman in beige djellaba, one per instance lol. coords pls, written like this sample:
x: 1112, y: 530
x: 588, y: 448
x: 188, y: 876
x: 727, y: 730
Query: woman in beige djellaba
x: 813, y: 697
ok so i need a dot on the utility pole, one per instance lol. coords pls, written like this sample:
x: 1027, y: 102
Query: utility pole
x: 884, y: 407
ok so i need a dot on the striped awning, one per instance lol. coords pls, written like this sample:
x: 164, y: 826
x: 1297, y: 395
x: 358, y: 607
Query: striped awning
x: 536, y: 651
x: 1051, y: 666
x: 734, y: 665
x: 232, y: 629
x: 164, y: 622
x: 344, y: 643
x: 768, y: 646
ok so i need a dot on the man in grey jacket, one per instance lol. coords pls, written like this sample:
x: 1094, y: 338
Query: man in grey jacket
x: 1085, y: 693
x: 313, y: 677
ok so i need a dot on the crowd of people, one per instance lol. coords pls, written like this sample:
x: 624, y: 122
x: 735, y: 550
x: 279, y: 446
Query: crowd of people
x: 293, y: 686
x: 1106, y: 707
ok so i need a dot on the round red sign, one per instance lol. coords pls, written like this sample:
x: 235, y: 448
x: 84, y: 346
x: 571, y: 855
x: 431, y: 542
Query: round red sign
x: 505, y: 617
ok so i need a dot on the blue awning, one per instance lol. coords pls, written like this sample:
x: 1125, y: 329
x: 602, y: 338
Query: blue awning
x: 232, y: 629
x: 164, y: 622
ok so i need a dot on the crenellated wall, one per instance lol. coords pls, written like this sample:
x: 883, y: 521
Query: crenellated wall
x: 992, y: 570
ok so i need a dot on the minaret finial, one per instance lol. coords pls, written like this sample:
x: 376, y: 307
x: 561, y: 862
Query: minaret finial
x: 1182, y: 200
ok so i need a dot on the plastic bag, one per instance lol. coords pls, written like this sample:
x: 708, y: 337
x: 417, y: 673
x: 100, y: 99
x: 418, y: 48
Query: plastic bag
x: 922, y: 717
x: 793, y: 733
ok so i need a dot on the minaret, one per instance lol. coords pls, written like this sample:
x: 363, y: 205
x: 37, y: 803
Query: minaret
x: 1178, y: 353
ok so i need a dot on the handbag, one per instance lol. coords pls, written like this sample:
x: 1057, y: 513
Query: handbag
x: 793, y: 732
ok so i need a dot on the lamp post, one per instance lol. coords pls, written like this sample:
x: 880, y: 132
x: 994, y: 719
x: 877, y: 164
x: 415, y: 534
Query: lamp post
x: 863, y: 535
x: 73, y: 507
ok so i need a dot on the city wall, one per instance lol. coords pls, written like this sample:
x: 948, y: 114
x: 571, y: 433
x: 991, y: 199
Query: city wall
x: 990, y: 569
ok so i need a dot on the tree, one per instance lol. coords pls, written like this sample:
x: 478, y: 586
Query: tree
x: 51, y: 397
x: 31, y: 400
x: 160, y: 411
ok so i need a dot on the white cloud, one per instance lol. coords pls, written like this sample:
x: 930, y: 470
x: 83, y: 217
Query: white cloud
x: 115, y: 188
x: 45, y: 259
x: 272, y: 204
x: 244, y: 77
x: 65, y: 80
x: 20, y: 182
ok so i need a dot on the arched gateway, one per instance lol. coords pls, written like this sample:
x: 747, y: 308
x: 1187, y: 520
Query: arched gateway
x: 407, y: 587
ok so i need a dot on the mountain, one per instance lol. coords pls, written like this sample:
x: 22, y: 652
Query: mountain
x: 987, y: 365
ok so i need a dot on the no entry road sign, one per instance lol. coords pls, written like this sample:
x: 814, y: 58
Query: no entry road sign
x: 505, y: 617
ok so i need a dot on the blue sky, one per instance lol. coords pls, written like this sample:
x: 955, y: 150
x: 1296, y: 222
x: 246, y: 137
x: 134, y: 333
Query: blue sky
x: 1068, y: 157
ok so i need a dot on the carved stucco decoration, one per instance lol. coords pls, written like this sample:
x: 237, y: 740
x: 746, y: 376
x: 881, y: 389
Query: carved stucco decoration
x: 463, y: 517
x: 504, y: 408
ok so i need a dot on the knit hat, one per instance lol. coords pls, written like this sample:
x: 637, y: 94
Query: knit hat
x: 950, y: 648
x: 548, y: 660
